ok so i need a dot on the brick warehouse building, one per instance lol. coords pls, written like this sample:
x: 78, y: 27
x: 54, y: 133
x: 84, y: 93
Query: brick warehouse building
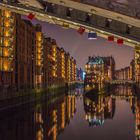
x: 25, y: 51
x: 28, y: 59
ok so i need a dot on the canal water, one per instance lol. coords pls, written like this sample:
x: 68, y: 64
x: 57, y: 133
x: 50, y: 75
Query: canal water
x: 76, y: 115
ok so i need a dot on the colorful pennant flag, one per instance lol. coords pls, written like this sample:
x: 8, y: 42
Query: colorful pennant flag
x: 81, y: 30
x: 110, y: 38
x: 92, y: 35
x: 31, y: 16
x: 120, y: 41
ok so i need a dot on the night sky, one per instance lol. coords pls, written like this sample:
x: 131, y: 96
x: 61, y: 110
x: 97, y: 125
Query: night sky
x: 80, y: 47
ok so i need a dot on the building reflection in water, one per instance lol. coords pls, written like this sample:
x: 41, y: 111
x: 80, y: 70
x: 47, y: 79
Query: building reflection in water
x: 46, y: 121
x: 40, y: 121
x: 51, y: 119
x: 98, y: 108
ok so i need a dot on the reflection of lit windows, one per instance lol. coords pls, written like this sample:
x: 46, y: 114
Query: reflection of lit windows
x: 6, y: 65
x: 39, y: 117
x: 39, y: 135
x: 63, y: 115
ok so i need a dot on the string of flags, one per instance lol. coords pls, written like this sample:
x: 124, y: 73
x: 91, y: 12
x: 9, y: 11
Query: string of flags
x: 120, y: 41
x: 110, y: 38
x: 93, y: 35
x: 81, y: 30
x: 31, y: 16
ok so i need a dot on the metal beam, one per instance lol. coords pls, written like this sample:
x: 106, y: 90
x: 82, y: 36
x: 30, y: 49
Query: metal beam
x: 98, y: 11
x: 40, y: 15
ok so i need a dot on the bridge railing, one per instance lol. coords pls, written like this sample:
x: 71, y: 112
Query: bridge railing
x: 122, y: 8
x: 96, y: 18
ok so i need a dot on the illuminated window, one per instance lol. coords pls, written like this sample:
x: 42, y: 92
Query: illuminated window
x: 5, y: 52
x: 6, y: 65
x: 6, y: 42
x: 7, y: 13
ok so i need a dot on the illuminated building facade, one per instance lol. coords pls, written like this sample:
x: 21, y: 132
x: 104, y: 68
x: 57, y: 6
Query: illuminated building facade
x: 137, y: 65
x: 17, y: 53
x: 109, y: 68
x: 94, y: 69
x: 132, y: 70
x: 49, y: 61
x: 123, y: 74
x: 62, y: 66
x: 7, y: 48
x: 59, y: 68
x: 24, y: 62
x: 127, y: 73
x: 28, y: 59
x: 39, y: 57
x: 45, y: 62
x: 53, y: 62
x: 75, y: 72
x: 80, y: 74
x: 67, y: 68
x: 72, y: 69
x: 54, y: 57
x: 98, y: 71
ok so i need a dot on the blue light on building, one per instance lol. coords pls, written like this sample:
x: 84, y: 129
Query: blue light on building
x: 84, y: 74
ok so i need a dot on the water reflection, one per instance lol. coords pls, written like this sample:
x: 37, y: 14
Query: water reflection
x: 42, y: 121
x: 98, y: 108
x: 112, y: 116
x: 51, y: 119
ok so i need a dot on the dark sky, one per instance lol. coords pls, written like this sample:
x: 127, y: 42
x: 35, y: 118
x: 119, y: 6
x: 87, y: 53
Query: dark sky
x: 80, y: 47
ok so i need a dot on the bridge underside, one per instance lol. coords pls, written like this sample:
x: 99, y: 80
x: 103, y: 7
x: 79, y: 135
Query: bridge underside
x: 71, y: 14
